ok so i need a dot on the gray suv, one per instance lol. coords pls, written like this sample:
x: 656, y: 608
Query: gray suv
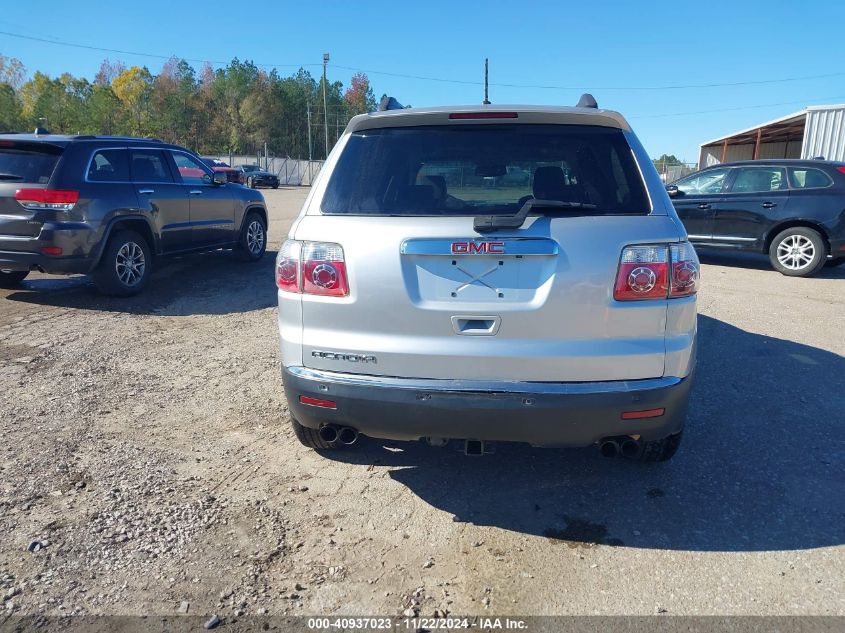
x: 424, y: 295
x: 106, y: 206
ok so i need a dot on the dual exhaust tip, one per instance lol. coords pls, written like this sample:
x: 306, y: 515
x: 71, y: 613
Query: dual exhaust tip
x: 621, y: 446
x: 332, y: 434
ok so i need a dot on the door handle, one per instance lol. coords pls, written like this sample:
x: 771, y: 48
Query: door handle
x: 195, y: 192
x: 146, y: 191
x: 704, y: 206
x: 769, y: 205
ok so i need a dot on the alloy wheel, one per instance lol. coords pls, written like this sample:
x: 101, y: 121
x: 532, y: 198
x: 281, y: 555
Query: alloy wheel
x: 796, y: 252
x: 130, y: 263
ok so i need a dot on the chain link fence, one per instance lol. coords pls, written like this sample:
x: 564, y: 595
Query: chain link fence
x: 671, y: 173
x: 291, y: 171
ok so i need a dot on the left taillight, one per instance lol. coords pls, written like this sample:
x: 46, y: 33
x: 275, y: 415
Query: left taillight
x: 315, y: 268
x: 47, y: 199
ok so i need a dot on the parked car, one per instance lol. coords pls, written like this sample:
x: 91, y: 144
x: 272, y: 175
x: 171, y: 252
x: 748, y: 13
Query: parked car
x: 232, y: 174
x: 412, y: 309
x: 255, y: 177
x: 793, y: 210
x: 108, y: 206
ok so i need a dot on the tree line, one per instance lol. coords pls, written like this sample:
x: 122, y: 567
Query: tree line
x: 234, y: 109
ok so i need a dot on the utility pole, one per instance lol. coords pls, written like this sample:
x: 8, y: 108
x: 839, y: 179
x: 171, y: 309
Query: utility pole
x: 486, y: 100
x: 325, y: 108
x: 308, y: 112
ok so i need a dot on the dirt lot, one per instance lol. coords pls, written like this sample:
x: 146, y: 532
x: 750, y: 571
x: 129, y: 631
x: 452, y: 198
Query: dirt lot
x: 146, y: 457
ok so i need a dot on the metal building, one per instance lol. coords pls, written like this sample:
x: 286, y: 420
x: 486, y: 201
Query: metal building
x: 817, y: 131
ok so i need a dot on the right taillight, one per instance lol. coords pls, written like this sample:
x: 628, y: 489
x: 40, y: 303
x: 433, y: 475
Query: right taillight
x: 685, y: 270
x: 315, y: 268
x: 656, y: 272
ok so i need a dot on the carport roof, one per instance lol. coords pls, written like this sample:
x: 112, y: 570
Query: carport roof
x: 783, y: 129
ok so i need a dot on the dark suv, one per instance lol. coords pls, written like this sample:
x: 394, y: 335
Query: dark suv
x: 794, y: 210
x: 108, y: 205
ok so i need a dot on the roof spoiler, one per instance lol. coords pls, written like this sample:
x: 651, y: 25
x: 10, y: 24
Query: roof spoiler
x: 587, y: 101
x: 389, y: 103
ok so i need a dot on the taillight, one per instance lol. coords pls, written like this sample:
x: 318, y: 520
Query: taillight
x: 316, y: 268
x: 643, y: 273
x: 656, y: 272
x: 287, y: 266
x: 685, y: 270
x: 51, y: 199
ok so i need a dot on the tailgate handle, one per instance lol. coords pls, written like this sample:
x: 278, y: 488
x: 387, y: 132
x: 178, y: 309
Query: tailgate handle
x: 476, y: 325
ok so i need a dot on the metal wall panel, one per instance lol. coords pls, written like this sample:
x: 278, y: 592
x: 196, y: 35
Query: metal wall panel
x: 825, y: 134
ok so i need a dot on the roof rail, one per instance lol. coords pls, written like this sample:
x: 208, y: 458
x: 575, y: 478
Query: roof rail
x: 389, y: 103
x: 587, y: 101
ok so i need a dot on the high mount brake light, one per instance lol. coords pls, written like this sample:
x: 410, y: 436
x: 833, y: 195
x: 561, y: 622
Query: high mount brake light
x: 315, y: 268
x: 656, y: 272
x: 483, y: 115
x: 52, y: 199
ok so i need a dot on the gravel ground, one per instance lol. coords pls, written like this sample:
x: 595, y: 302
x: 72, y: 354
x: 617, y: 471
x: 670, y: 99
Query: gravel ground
x: 147, y: 468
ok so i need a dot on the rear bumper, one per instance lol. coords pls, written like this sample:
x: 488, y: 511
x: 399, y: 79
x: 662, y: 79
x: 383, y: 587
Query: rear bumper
x: 24, y: 253
x: 541, y: 414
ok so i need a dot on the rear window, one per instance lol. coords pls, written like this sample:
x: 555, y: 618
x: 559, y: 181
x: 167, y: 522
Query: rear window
x: 28, y: 162
x: 484, y: 169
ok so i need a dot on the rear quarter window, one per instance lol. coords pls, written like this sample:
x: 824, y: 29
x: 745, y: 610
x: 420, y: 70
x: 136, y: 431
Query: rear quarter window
x: 808, y: 178
x: 28, y: 162
x: 484, y: 169
x: 109, y: 165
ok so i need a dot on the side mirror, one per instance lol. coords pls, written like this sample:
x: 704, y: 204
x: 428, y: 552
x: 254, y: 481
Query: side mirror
x: 673, y: 191
x: 219, y: 178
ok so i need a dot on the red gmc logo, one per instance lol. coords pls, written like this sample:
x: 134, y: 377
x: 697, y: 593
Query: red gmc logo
x: 469, y: 248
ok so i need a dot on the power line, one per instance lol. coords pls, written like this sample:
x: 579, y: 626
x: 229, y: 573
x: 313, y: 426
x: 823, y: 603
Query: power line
x: 138, y: 54
x: 751, y: 107
x: 733, y: 84
x: 581, y: 87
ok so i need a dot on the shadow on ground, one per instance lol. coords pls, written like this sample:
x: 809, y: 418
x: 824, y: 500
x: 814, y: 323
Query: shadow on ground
x: 761, y: 467
x: 200, y: 284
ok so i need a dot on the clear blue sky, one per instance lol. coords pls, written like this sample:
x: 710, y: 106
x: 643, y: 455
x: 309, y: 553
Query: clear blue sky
x: 605, y: 47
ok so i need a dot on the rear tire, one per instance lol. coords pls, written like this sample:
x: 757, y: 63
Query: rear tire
x: 833, y: 263
x: 12, y: 278
x: 660, y: 450
x: 798, y: 252
x: 311, y: 437
x: 253, y: 240
x: 125, y: 266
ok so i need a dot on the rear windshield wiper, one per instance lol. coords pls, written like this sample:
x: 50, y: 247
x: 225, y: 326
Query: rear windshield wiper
x: 486, y: 223
x: 10, y: 177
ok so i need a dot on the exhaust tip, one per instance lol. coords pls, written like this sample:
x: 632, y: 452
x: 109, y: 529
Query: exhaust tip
x: 328, y: 433
x: 630, y: 449
x: 475, y: 448
x: 347, y: 435
x: 609, y: 448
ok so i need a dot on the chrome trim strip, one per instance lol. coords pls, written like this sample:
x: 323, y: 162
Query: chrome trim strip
x: 525, y: 246
x: 484, y: 386
x: 722, y: 237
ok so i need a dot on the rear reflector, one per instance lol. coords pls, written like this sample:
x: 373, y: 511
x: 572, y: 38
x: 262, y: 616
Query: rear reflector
x: 842, y: 169
x: 484, y: 115
x: 52, y: 199
x: 638, y: 415
x: 316, y: 402
x: 51, y: 250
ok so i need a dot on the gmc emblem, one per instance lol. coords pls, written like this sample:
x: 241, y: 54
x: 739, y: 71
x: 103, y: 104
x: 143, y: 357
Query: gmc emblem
x: 469, y: 248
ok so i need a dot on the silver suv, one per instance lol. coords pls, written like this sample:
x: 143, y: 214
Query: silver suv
x: 423, y: 293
